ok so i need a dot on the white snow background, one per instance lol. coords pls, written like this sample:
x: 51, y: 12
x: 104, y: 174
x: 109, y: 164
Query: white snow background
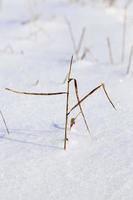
x: 35, y: 51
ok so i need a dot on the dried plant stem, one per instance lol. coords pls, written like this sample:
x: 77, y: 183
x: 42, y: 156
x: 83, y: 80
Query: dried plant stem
x: 110, y: 51
x: 65, y: 79
x: 76, y: 48
x: 130, y: 59
x: 90, y: 93
x: 88, y: 51
x: 71, y: 35
x: 84, y: 53
x: 3, y: 118
x: 124, y: 29
x: 67, y: 103
x: 79, y: 104
x: 36, y: 94
x: 124, y: 34
x: 80, y: 41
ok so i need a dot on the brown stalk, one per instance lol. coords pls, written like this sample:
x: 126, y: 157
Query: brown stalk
x: 3, y: 118
x: 67, y: 103
x: 90, y: 93
x: 110, y: 50
x: 79, y: 104
x: 36, y: 94
x: 130, y: 59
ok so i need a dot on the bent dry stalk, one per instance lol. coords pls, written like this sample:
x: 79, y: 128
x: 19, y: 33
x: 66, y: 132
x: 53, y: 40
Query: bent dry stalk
x: 36, y: 93
x: 79, y: 104
x: 90, y: 93
x: 67, y: 93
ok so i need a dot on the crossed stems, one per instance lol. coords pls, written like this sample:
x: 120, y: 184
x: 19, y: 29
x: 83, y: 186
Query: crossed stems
x: 79, y: 101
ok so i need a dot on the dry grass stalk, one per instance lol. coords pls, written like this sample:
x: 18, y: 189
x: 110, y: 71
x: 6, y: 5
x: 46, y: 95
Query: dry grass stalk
x: 90, y: 93
x: 130, y: 60
x: 80, y: 41
x: 36, y: 94
x: 110, y: 51
x: 76, y: 48
x: 85, y: 52
x: 79, y: 101
x: 71, y: 35
x: 3, y: 118
x: 67, y: 103
x: 88, y: 51
x: 79, y: 104
x: 124, y: 34
x: 124, y: 29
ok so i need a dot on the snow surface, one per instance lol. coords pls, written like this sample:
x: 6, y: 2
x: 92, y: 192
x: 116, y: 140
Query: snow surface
x: 35, y: 52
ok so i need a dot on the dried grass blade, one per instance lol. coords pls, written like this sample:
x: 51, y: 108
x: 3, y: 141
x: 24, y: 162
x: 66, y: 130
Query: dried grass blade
x: 110, y: 51
x: 81, y: 41
x: 67, y: 103
x: 80, y: 107
x: 83, y: 99
x: 130, y: 60
x: 36, y: 94
x: 90, y: 93
x: 71, y: 34
x: 105, y: 91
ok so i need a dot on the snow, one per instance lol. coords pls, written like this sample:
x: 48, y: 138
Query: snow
x: 35, y: 52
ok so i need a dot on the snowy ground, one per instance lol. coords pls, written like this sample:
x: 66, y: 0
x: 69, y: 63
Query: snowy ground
x: 34, y: 56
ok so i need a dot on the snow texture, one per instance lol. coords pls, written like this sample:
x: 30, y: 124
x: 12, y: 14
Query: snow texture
x: 35, y: 52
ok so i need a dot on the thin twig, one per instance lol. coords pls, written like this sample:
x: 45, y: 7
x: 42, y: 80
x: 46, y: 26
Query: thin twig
x: 124, y: 34
x: 79, y: 104
x: 110, y: 51
x: 65, y: 79
x: 90, y: 93
x: 67, y: 103
x: 36, y: 94
x: 84, y: 53
x: 76, y: 48
x: 124, y: 29
x: 130, y: 59
x: 3, y: 118
x: 80, y: 41
x: 71, y: 35
x: 88, y: 51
